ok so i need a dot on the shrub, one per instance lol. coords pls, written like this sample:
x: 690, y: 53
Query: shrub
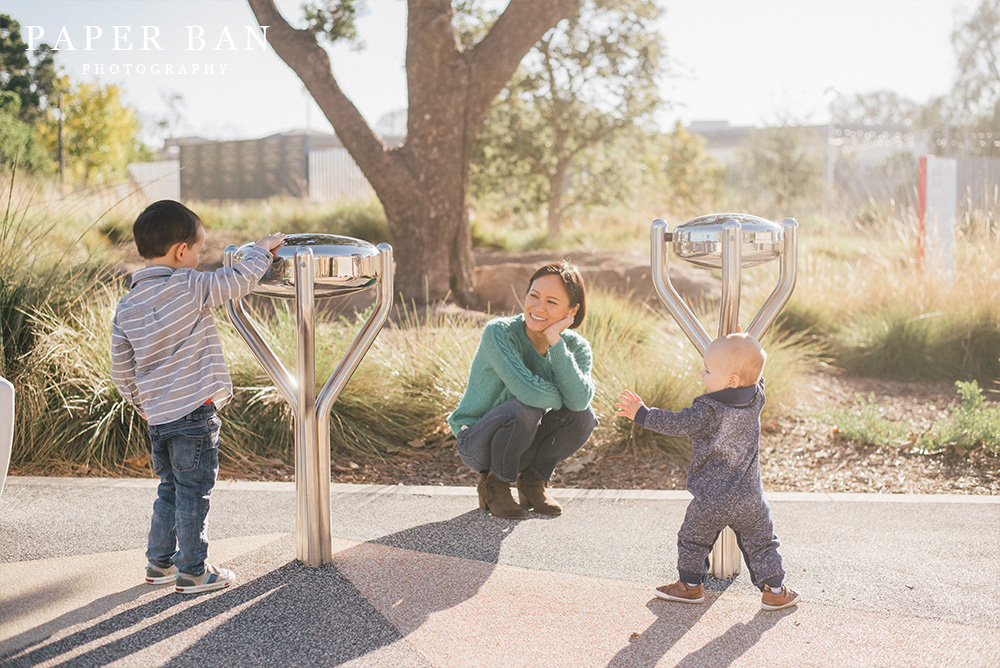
x: 415, y: 373
x: 69, y: 413
x: 962, y: 343
x: 971, y: 424
x: 865, y: 422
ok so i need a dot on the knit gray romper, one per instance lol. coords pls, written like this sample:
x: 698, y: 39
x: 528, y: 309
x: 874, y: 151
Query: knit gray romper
x: 724, y: 479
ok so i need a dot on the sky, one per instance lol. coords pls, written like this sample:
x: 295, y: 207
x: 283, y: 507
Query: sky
x: 748, y: 62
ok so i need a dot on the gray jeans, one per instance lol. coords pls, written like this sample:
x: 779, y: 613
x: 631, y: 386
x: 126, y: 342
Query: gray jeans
x: 513, y: 437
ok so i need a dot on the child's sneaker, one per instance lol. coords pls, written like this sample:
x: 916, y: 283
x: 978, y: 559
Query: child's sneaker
x: 679, y: 591
x: 212, y: 578
x: 158, y: 575
x: 771, y: 599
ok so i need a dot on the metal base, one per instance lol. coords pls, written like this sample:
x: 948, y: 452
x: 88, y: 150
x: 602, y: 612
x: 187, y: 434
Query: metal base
x: 725, y: 559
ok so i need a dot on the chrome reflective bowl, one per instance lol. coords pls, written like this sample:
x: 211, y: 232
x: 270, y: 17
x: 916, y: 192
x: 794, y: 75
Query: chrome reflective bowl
x: 699, y: 240
x: 341, y: 266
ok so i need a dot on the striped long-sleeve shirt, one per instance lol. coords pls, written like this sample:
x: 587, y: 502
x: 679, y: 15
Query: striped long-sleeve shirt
x: 166, y: 357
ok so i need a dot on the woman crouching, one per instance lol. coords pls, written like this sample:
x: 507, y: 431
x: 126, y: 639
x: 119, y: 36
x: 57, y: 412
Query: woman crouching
x: 526, y: 407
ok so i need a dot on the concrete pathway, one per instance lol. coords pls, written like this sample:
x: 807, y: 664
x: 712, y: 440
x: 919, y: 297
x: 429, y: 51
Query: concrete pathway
x: 421, y: 578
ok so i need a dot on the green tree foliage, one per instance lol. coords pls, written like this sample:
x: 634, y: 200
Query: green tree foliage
x: 334, y: 21
x: 780, y: 163
x: 33, y: 79
x: 99, y: 133
x: 977, y: 88
x: 25, y: 86
x: 554, y: 136
x: 19, y: 143
x: 689, y: 178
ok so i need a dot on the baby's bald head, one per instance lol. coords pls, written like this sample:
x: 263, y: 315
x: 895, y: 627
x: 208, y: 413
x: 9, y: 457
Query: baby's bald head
x: 738, y: 354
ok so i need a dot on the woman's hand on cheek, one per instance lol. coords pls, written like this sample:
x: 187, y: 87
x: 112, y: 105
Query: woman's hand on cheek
x: 553, y: 331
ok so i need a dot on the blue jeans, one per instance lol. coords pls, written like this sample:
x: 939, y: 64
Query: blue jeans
x: 186, y: 457
x: 514, y: 437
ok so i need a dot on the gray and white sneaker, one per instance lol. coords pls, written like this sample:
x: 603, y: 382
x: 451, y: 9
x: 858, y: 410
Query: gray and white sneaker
x: 157, y: 575
x: 213, y: 578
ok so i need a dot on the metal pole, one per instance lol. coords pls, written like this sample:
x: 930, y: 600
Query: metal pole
x: 276, y: 371
x: 732, y: 269
x: 689, y: 324
x: 336, y: 383
x: 725, y: 557
x: 786, y: 282
x: 311, y: 411
x: 309, y: 447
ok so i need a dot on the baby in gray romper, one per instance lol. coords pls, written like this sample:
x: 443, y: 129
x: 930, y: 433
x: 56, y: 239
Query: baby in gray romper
x: 724, y: 476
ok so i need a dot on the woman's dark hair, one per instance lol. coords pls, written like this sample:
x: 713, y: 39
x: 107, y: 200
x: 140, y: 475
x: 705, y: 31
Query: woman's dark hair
x: 572, y: 281
x: 163, y: 224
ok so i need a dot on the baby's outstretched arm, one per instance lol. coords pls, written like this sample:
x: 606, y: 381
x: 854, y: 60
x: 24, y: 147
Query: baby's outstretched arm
x: 629, y: 404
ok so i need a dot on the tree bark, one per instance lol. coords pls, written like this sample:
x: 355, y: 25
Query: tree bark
x: 557, y: 186
x: 422, y: 184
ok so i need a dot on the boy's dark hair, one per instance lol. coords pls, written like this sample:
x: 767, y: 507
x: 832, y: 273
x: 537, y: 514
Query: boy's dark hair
x: 163, y: 224
x: 572, y: 280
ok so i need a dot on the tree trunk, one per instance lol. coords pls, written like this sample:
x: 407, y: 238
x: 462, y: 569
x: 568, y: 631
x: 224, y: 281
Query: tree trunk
x: 422, y: 184
x: 557, y: 185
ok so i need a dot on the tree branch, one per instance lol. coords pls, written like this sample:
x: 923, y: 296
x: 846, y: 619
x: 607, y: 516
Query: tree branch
x: 311, y: 63
x: 496, y: 57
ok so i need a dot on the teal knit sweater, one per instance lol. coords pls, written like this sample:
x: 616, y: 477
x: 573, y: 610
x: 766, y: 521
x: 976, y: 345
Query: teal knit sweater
x: 507, y: 366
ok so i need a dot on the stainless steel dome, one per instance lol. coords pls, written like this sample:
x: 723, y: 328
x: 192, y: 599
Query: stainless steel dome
x: 699, y: 240
x: 341, y: 266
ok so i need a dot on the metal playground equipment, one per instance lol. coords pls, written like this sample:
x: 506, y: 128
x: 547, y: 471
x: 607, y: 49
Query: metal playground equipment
x: 307, y: 267
x: 730, y: 242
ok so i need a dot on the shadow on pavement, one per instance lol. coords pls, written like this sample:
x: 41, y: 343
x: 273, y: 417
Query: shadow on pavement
x: 737, y: 639
x: 475, y: 535
x: 412, y: 581
x: 331, y: 615
x: 117, y: 623
x: 295, y: 615
x: 673, y: 621
x: 37, y: 634
x: 286, y: 617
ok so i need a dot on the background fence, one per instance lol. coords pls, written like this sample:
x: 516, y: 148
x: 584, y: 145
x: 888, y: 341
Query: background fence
x: 292, y: 165
x: 333, y: 174
x: 156, y: 180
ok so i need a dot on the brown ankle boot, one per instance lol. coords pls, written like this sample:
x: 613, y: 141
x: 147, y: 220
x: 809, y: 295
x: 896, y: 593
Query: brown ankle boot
x: 532, y: 493
x: 498, y: 500
x: 481, y: 489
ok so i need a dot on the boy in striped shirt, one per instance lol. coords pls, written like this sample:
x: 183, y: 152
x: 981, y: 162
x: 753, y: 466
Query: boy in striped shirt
x: 167, y: 361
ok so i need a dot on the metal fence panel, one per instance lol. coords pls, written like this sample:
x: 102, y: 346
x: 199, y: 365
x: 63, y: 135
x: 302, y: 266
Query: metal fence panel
x: 156, y: 180
x: 333, y: 174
